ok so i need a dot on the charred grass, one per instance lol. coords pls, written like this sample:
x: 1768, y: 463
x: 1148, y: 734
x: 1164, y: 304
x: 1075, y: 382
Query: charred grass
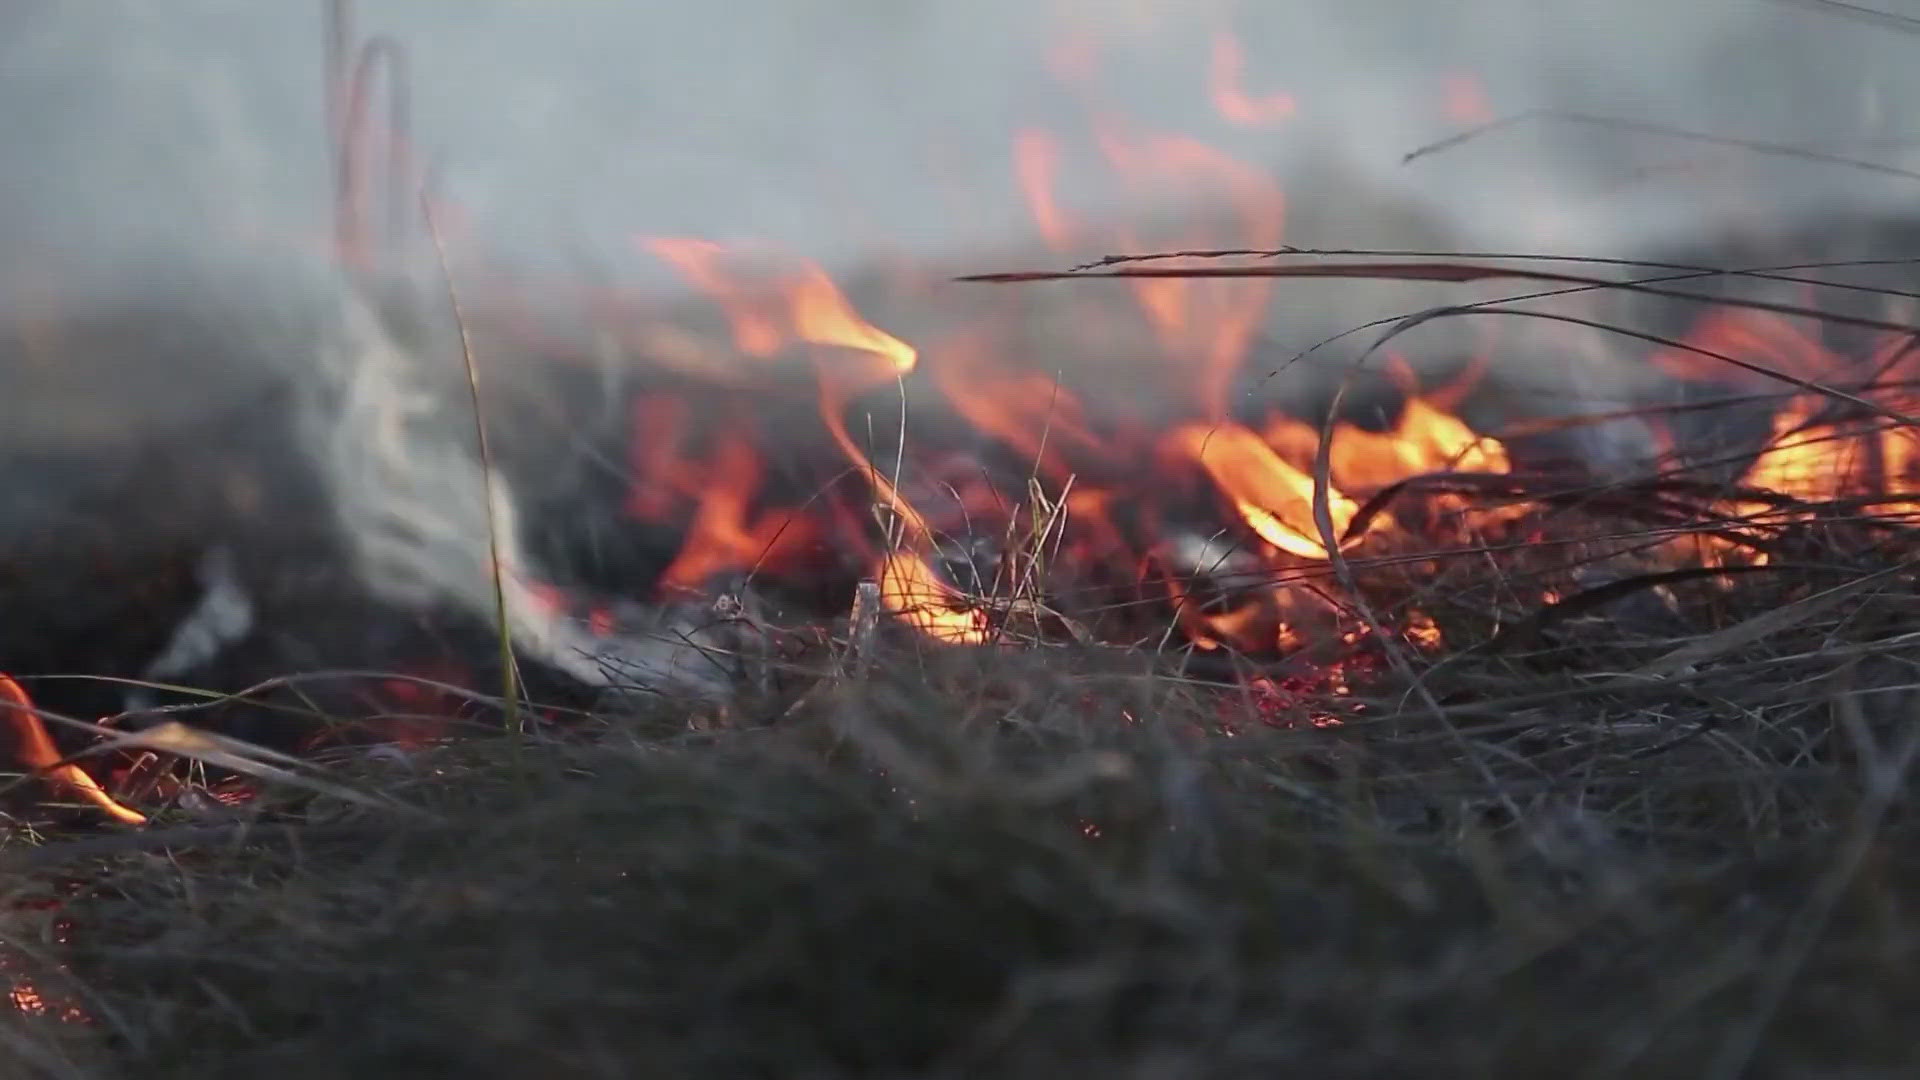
x: 1662, y: 832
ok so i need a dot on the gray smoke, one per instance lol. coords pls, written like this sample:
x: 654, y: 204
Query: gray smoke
x: 429, y: 525
x: 142, y: 138
x: 839, y: 126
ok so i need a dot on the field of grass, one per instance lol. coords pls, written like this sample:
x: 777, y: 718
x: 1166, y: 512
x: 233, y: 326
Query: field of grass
x: 1612, y: 846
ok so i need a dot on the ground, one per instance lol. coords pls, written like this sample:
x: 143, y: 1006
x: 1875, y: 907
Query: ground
x: 1660, y: 856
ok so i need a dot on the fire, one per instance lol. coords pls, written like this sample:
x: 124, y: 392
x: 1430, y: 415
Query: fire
x: 910, y: 589
x: 1804, y: 459
x: 1274, y: 498
x: 806, y: 307
x: 1098, y: 487
x: 1111, y: 506
x: 1423, y: 440
x: 1208, y: 324
x: 1759, y: 339
x: 1081, y: 495
x: 1029, y: 412
x: 1812, y: 455
x: 1226, y: 77
x: 1036, y: 161
x: 801, y: 306
x: 723, y: 534
x: 34, y: 748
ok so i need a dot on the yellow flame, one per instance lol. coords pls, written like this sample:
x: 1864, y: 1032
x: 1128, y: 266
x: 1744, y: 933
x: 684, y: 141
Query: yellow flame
x: 1274, y: 498
x: 913, y: 592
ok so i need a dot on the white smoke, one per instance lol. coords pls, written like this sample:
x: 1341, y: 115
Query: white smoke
x: 145, y: 133
x: 838, y: 126
x: 425, y: 521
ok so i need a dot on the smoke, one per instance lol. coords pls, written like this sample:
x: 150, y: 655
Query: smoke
x: 149, y: 143
x: 427, y: 524
x: 839, y: 126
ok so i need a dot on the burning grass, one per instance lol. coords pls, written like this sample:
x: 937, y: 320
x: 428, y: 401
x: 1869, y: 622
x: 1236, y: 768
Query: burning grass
x: 1657, y: 828
x: 1218, y: 743
x: 1236, y: 747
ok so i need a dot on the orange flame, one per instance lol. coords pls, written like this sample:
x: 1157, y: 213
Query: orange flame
x: 801, y: 306
x: 1809, y: 461
x: 911, y: 590
x: 1208, y: 322
x: 1027, y: 411
x: 35, y: 749
x: 1203, y: 328
x: 659, y: 424
x: 1274, y: 498
x: 1799, y: 460
x: 700, y: 260
x: 807, y: 307
x: 721, y: 537
x: 1760, y: 338
x: 1225, y: 77
x: 1423, y: 440
x: 1036, y: 161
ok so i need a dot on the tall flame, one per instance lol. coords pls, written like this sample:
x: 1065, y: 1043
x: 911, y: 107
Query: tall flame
x: 851, y: 357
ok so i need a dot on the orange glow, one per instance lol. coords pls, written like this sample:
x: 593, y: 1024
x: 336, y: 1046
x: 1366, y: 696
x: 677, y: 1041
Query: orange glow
x: 1076, y: 462
x: 1026, y: 410
x: 823, y: 317
x: 1036, y: 161
x: 1423, y: 631
x: 721, y: 537
x: 659, y: 424
x: 35, y: 749
x: 1811, y: 462
x: 814, y: 311
x: 911, y: 590
x: 700, y: 261
x: 802, y: 306
x: 1205, y: 323
x: 1466, y: 100
x: 1274, y: 498
x: 1423, y: 440
x: 1087, y: 473
x: 1760, y: 338
x: 1226, y: 85
x: 1426, y: 438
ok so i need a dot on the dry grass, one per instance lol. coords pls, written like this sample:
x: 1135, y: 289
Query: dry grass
x: 1647, y: 838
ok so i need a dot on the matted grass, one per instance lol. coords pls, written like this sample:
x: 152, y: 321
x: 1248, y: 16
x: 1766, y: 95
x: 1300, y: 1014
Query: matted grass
x: 1571, y: 858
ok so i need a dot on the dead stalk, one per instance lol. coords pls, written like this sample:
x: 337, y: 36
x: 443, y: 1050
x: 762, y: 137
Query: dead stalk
x: 509, y: 674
